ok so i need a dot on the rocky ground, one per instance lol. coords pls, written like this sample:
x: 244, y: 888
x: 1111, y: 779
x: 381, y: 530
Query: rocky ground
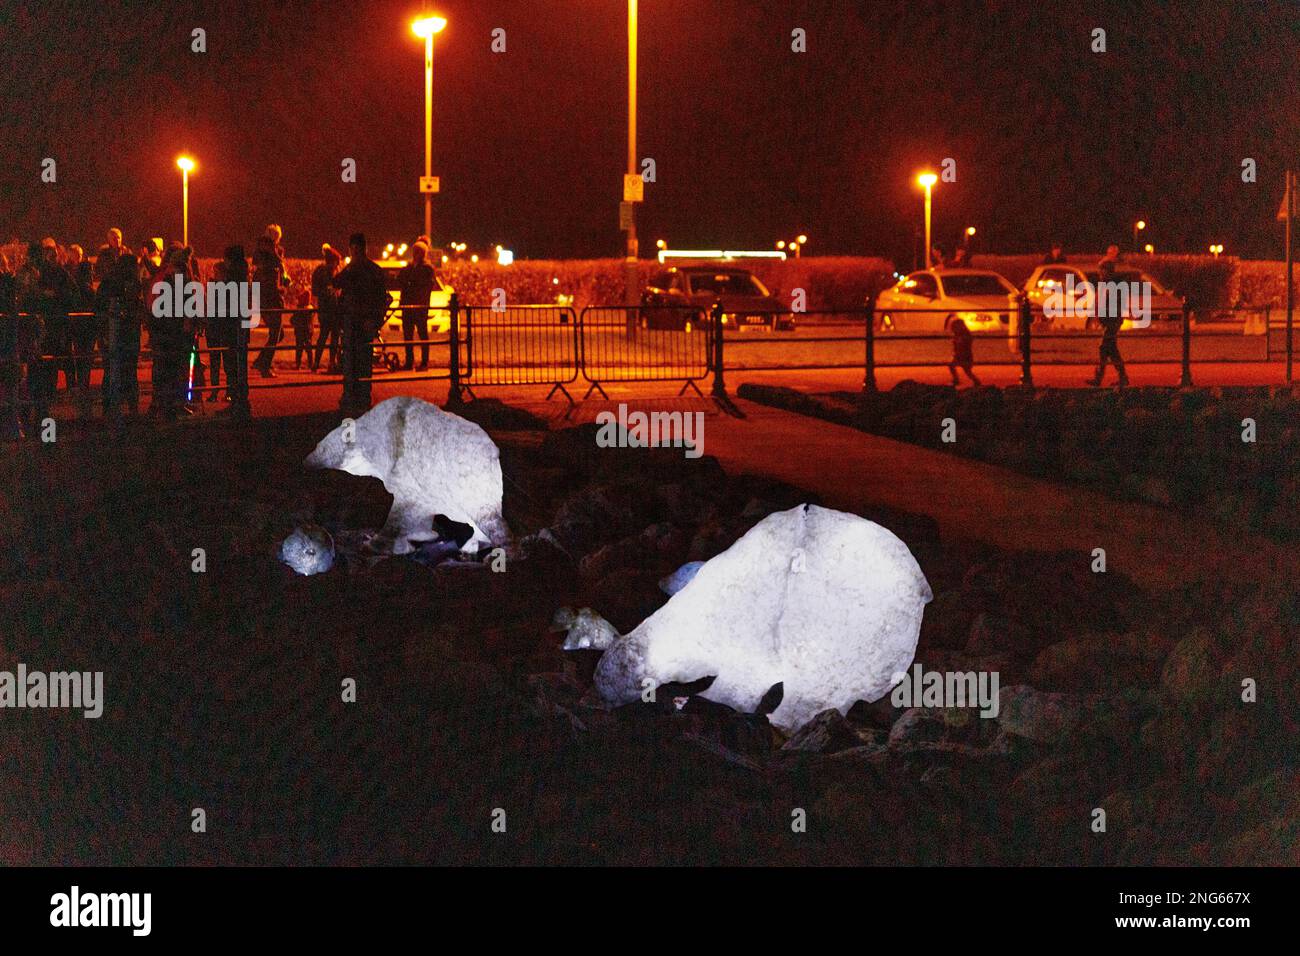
x: 223, y: 687
x: 1181, y: 448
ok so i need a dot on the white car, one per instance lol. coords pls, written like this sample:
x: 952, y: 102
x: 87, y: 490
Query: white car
x: 1066, y: 295
x: 439, y: 299
x: 931, y: 300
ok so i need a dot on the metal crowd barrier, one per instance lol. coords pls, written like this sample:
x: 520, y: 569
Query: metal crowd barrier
x: 520, y: 345
x: 621, y: 343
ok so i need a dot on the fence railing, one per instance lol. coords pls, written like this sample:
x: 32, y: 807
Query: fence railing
x: 482, y: 346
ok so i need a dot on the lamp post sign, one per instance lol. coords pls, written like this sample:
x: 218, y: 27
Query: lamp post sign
x: 430, y: 184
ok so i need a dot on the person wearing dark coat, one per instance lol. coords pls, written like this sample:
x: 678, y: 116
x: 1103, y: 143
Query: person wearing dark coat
x: 1110, y: 320
x: 415, y: 284
x: 327, y: 309
x: 363, y: 300
x: 120, y: 294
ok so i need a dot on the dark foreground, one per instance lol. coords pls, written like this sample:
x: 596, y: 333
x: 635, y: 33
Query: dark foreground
x: 224, y: 687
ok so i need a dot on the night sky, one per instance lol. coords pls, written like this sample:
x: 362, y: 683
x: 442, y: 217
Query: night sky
x: 752, y: 142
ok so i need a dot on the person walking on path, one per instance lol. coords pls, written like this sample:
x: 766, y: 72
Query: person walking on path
x: 1108, y: 315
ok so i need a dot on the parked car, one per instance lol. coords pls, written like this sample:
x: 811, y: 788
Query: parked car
x: 932, y: 299
x: 1072, y: 290
x: 681, y: 297
x: 439, y: 299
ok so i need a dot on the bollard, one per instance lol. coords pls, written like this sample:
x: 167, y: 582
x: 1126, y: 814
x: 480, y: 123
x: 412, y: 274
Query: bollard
x: 453, y: 352
x: 719, y: 384
x: 869, y: 377
x: 1186, y: 380
x: 1026, y: 342
x: 240, y: 407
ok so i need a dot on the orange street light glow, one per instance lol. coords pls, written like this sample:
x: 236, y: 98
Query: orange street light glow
x: 1141, y: 223
x: 185, y: 163
x: 926, y: 180
x: 970, y: 230
x: 428, y: 26
x: 803, y: 240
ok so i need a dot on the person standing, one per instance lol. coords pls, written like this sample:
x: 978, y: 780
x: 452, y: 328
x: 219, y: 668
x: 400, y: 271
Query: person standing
x: 363, y: 302
x: 1056, y: 257
x: 82, y: 322
x: 11, y: 366
x: 1108, y: 315
x: 415, y: 284
x: 272, y: 278
x: 327, y: 308
x: 120, y: 293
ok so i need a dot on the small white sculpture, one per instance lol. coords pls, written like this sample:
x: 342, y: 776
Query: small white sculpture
x: 431, y: 461
x: 309, y: 549
x: 828, y: 604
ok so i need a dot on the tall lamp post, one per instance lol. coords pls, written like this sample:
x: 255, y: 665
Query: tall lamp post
x: 927, y: 181
x: 185, y: 164
x: 425, y: 28
x: 630, y: 278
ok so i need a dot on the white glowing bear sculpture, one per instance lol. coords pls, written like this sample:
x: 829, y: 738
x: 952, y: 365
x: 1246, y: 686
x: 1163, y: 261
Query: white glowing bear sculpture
x: 431, y: 461
x: 827, y: 603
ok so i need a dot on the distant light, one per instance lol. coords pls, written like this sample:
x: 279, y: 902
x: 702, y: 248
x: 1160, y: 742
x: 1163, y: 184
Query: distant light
x: 1141, y: 224
x: 660, y: 244
x: 555, y: 281
x: 666, y: 254
x: 185, y: 163
x: 445, y: 260
x: 474, y: 258
x: 504, y: 256
x: 780, y: 243
x: 1148, y: 248
x: 803, y: 240
x: 926, y: 180
x: 401, y: 250
x: 428, y: 26
x: 970, y: 230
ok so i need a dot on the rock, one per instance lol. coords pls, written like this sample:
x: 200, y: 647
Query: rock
x: 826, y: 603
x: 991, y: 634
x: 584, y: 629
x: 949, y: 618
x: 1099, y: 663
x: 309, y: 549
x: 1053, y: 718
x: 1191, y: 671
x: 826, y: 733
x: 431, y: 461
x: 917, y: 725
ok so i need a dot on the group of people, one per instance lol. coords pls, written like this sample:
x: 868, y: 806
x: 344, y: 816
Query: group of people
x: 59, y: 307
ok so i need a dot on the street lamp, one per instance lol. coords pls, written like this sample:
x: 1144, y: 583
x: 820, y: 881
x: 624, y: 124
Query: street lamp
x: 1149, y: 249
x: 1216, y: 249
x: 185, y: 164
x: 630, y: 280
x: 425, y: 28
x: 927, y: 180
x: 1138, y: 227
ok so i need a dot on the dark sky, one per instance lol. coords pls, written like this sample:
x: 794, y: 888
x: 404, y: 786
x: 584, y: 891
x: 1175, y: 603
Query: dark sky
x: 752, y: 142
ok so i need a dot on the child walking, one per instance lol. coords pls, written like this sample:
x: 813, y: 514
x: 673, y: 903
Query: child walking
x: 962, y: 352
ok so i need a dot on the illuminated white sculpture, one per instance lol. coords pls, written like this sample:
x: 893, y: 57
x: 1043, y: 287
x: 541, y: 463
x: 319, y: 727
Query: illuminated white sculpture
x: 431, y: 461
x: 826, y: 603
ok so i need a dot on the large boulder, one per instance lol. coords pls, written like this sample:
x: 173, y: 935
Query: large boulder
x: 826, y: 603
x: 432, y: 462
